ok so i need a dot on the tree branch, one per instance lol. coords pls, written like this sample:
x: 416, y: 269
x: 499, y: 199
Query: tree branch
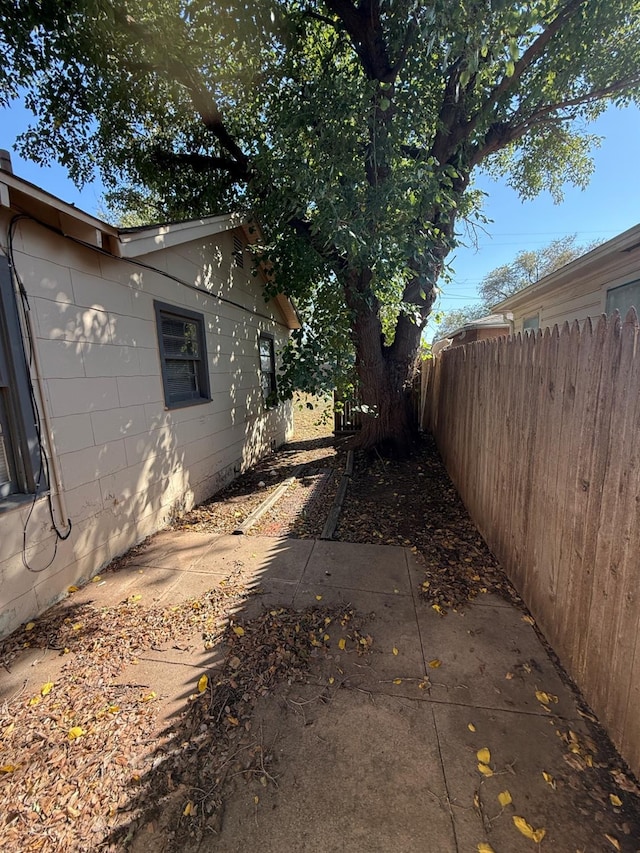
x: 501, y: 134
x: 201, y: 163
x: 534, y: 50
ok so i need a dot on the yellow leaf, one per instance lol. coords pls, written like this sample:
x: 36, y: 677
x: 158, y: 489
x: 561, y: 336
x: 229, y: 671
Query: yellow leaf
x: 238, y: 631
x: 435, y: 663
x: 188, y: 809
x: 318, y: 598
x: 72, y: 589
x: 395, y: 651
x: 256, y: 800
x: 202, y: 683
x: 546, y: 698
x: 46, y: 688
x: 471, y: 727
x: 437, y: 608
x: 77, y: 626
x: 75, y: 733
x: 528, y: 831
x: 9, y: 729
x: 548, y: 778
x: 613, y: 841
x: 134, y: 598
x: 149, y: 696
x: 615, y: 800
x: 96, y: 579
x: 7, y: 768
x: 331, y: 679
x: 233, y: 721
x: 342, y: 643
x: 485, y: 769
x: 528, y: 620
x: 426, y: 585
x: 504, y: 798
x: 113, y: 709
x: 326, y: 638
x: 483, y: 755
x: 483, y: 847
x: 29, y: 626
x: 397, y: 681
x: 34, y: 701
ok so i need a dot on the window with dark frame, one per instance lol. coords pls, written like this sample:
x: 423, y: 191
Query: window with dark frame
x: 623, y: 297
x: 20, y: 459
x: 183, y: 355
x: 267, y: 369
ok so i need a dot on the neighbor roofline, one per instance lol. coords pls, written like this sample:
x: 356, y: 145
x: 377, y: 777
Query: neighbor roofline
x: 628, y: 241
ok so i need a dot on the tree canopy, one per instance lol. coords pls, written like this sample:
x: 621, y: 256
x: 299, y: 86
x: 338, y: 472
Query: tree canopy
x: 526, y: 268
x: 349, y: 128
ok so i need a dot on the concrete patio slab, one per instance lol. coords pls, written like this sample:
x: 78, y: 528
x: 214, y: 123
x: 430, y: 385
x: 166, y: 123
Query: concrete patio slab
x: 571, y: 810
x: 375, y: 568
x: 492, y: 658
x: 351, y: 777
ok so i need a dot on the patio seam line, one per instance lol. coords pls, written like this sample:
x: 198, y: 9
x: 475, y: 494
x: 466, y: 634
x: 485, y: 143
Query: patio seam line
x: 360, y: 589
x: 444, y: 779
x: 304, y: 569
x: 415, y: 611
x: 431, y: 701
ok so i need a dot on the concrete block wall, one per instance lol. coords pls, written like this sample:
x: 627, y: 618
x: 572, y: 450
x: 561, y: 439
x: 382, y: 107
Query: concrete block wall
x: 127, y: 463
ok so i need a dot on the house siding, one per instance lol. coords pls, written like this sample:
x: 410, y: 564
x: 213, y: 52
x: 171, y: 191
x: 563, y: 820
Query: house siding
x: 128, y: 464
x: 583, y: 295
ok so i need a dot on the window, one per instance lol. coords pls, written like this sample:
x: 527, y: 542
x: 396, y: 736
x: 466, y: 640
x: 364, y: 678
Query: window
x: 267, y: 369
x: 183, y: 356
x: 19, y: 446
x: 623, y: 297
x: 531, y: 324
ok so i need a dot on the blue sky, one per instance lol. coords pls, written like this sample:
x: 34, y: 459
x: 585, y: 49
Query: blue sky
x: 609, y: 205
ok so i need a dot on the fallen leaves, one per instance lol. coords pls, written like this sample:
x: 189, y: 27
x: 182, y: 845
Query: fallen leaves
x: 75, y: 732
x: 483, y: 755
x: 504, y: 798
x: 548, y: 778
x: 527, y: 830
x: 485, y: 769
x: 203, y: 681
x: 46, y: 688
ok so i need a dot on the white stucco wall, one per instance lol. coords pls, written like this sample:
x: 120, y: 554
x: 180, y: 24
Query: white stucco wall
x: 127, y: 462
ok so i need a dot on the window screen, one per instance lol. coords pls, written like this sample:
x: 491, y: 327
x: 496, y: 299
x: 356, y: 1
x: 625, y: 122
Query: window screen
x: 183, y: 353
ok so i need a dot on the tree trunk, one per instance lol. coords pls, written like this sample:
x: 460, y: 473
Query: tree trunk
x: 385, y: 375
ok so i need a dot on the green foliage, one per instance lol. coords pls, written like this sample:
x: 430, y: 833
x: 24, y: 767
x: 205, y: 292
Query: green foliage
x: 349, y: 128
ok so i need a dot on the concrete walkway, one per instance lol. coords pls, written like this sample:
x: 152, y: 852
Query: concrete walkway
x: 391, y: 758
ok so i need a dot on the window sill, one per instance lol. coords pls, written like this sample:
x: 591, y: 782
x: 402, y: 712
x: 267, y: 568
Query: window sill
x: 183, y: 404
x: 13, y: 502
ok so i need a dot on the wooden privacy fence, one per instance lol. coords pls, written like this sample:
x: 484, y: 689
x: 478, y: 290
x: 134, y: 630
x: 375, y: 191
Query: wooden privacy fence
x: 541, y: 436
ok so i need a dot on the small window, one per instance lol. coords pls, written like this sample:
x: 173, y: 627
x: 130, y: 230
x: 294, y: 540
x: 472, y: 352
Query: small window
x: 183, y: 354
x: 267, y: 369
x: 623, y: 297
x: 20, y: 454
x: 531, y: 324
x: 238, y: 251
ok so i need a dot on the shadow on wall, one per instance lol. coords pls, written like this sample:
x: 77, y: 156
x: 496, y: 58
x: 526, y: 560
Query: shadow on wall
x: 128, y: 464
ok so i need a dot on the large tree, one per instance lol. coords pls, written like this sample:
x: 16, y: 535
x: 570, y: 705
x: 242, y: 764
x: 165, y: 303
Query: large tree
x: 350, y: 129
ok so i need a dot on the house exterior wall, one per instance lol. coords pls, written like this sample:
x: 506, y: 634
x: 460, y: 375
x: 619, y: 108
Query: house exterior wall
x: 581, y: 296
x: 128, y: 463
x: 475, y: 334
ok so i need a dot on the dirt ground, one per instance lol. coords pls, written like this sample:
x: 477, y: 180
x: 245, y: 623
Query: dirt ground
x: 87, y: 764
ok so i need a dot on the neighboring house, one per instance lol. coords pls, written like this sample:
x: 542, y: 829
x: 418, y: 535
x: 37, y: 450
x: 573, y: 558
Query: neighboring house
x: 137, y: 369
x: 485, y: 328
x: 603, y: 280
